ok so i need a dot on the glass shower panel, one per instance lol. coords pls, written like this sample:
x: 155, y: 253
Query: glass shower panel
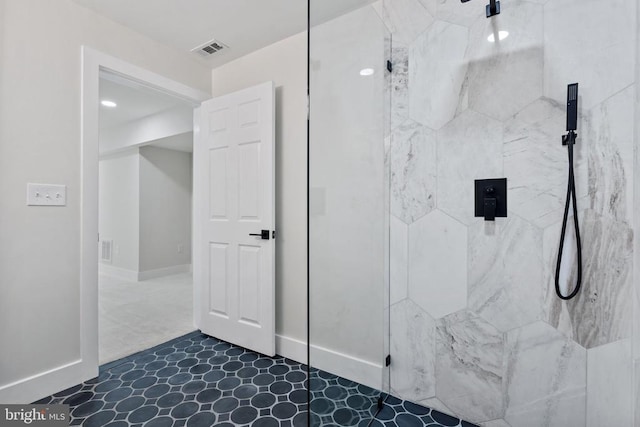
x: 477, y: 331
x: 348, y: 212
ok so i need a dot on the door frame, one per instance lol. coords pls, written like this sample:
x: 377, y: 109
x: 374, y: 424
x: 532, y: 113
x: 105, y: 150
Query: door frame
x: 93, y: 62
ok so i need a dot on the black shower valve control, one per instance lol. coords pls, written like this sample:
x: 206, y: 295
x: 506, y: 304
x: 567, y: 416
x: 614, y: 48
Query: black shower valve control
x: 491, y: 198
x: 490, y: 209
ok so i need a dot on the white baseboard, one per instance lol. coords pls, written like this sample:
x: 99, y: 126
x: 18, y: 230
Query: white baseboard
x: 28, y: 390
x: 291, y: 348
x: 117, y: 272
x: 343, y: 365
x: 161, y: 272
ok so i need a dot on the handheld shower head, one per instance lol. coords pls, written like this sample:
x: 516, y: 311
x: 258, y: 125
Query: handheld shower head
x: 572, y: 107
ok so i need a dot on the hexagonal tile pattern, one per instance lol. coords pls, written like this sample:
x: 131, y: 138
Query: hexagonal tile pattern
x: 407, y: 19
x: 505, y: 76
x: 608, y: 132
x: 610, y: 373
x: 413, y: 171
x: 438, y: 264
x: 469, y: 148
x: 436, y: 73
x: 469, y: 366
x: 198, y: 381
x: 586, y: 43
x: 505, y: 272
x: 430, y: 5
x: 435, y: 403
x: 536, y: 163
x: 601, y: 312
x: 399, y: 85
x: 398, y: 261
x: 546, y: 377
x: 556, y: 312
x: 456, y: 12
x: 412, y: 347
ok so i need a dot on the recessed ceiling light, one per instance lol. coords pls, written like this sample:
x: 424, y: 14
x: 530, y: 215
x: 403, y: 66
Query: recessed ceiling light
x: 366, y: 71
x: 501, y: 36
x: 109, y: 104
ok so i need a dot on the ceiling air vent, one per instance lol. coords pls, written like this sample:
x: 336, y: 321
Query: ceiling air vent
x: 209, y: 48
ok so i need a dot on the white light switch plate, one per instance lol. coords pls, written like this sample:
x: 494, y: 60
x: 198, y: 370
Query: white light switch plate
x: 46, y: 195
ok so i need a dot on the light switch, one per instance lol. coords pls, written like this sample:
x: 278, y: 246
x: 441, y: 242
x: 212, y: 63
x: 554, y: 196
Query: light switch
x: 46, y: 195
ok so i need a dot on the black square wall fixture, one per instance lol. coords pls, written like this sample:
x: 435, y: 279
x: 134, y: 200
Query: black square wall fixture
x: 491, y: 198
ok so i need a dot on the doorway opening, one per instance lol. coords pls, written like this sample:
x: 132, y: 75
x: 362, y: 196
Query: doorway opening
x: 96, y: 65
x: 145, y: 285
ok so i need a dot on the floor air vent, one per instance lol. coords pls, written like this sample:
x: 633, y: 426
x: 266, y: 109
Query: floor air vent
x: 209, y: 48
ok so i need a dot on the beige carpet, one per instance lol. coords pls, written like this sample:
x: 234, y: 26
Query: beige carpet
x: 135, y: 316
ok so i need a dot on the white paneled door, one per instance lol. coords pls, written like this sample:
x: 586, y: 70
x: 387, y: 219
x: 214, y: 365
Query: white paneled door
x: 234, y: 218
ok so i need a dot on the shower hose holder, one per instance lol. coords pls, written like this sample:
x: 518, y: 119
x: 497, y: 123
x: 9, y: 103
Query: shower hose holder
x: 569, y: 138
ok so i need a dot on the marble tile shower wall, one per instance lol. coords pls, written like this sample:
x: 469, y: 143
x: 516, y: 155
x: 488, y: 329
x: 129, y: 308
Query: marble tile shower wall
x: 476, y: 328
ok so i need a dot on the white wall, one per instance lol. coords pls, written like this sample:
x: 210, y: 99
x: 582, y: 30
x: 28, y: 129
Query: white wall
x: 165, y: 208
x: 347, y: 184
x: 119, y: 215
x: 40, y: 142
x: 171, y: 122
x: 285, y: 64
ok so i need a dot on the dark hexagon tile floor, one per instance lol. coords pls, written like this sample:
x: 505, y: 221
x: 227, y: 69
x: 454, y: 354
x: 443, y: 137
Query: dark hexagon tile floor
x: 199, y: 381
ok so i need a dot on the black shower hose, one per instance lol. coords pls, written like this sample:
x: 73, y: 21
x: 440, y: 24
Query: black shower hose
x: 571, y: 197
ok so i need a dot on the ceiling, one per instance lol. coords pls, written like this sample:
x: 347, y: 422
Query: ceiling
x: 134, y: 101
x: 243, y: 25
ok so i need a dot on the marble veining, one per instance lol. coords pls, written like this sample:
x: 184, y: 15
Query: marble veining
x: 545, y: 378
x: 469, y: 366
x: 413, y: 349
x: 536, y: 165
x: 498, y: 110
x: 608, y: 132
x: 456, y: 12
x: 436, y: 73
x: 407, y: 19
x: 399, y: 85
x: 505, y: 272
x: 413, y: 171
x: 469, y: 148
x: 562, y: 410
x: 601, y: 313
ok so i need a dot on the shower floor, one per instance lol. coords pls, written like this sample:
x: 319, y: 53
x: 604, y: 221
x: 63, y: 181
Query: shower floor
x: 196, y: 381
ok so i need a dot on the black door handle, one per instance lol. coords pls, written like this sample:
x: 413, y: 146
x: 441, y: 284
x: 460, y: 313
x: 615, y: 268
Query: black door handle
x: 264, y: 234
